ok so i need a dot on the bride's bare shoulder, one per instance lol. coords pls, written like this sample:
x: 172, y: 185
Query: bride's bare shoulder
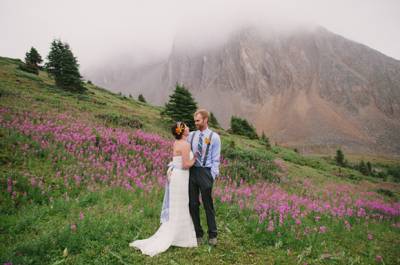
x: 181, y: 145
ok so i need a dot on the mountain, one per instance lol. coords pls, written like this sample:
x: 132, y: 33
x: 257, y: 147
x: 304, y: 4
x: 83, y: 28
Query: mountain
x: 306, y: 88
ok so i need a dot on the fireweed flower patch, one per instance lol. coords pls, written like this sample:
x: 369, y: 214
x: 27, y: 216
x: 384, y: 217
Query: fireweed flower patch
x: 87, y: 155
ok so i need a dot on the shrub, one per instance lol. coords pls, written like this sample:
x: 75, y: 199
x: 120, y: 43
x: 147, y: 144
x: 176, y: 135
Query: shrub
x: 241, y: 126
x: 141, y: 98
x: 119, y: 120
x: 248, y: 165
x: 28, y: 68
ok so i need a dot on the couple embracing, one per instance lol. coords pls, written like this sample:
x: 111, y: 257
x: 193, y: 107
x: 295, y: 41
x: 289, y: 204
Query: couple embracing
x: 194, y: 167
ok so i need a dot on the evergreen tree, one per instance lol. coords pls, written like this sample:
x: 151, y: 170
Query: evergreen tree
x: 141, y: 98
x: 33, y: 57
x: 63, y: 65
x: 181, y: 106
x: 243, y: 127
x: 32, y: 61
x: 362, y: 167
x: 339, y: 157
x: 369, y: 166
x: 213, y: 121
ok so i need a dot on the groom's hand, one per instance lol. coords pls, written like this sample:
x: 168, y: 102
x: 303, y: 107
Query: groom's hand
x: 195, y: 157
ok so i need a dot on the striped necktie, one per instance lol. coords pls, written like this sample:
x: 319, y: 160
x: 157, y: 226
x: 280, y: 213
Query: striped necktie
x: 199, y: 149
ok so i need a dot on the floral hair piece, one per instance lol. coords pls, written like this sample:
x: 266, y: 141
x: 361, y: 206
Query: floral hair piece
x: 180, y: 128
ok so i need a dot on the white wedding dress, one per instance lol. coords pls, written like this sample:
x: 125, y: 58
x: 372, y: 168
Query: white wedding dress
x: 179, y: 229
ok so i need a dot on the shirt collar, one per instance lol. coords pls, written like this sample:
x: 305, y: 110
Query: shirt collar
x: 206, y: 131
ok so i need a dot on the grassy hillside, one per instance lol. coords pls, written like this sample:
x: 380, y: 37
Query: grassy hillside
x: 81, y: 176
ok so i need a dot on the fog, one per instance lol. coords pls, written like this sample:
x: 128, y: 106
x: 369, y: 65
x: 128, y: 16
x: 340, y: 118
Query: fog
x: 138, y: 31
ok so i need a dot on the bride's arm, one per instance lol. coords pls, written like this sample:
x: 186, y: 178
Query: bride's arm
x: 186, y: 161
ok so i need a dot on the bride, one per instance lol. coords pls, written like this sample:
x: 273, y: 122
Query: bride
x: 177, y: 227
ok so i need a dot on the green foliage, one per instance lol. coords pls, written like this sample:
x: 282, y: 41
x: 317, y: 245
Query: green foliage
x: 232, y: 144
x: 386, y: 192
x: 339, y: 158
x: 120, y: 120
x: 63, y: 65
x: 295, y: 158
x: 33, y: 58
x: 265, y: 141
x: 28, y: 68
x: 248, y: 165
x: 141, y: 98
x: 364, y: 168
x: 394, y: 171
x: 32, y: 61
x: 369, y: 167
x: 241, y: 126
x: 212, y: 121
x: 181, y: 106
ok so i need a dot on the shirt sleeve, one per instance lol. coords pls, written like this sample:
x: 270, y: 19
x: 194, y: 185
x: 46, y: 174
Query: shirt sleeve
x: 215, y: 155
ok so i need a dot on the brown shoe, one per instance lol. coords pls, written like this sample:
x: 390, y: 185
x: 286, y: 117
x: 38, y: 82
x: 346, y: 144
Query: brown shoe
x: 212, y: 241
x: 199, y: 241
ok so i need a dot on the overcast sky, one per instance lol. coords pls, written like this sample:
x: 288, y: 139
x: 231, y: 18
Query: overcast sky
x: 99, y: 29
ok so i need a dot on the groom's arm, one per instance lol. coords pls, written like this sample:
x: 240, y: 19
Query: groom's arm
x: 215, y: 155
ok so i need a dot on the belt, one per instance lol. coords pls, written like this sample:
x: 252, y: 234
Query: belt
x: 201, y: 167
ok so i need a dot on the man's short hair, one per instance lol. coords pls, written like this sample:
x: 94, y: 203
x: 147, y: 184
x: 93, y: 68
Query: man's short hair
x: 203, y: 112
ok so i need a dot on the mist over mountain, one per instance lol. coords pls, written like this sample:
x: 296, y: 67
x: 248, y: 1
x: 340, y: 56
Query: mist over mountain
x: 306, y: 87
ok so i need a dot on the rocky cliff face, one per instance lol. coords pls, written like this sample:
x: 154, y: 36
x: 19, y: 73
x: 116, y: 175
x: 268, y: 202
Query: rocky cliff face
x: 307, y: 88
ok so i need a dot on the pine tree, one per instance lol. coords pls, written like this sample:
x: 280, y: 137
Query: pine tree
x: 32, y: 61
x: 362, y: 167
x: 369, y: 166
x: 181, y: 106
x: 63, y: 65
x: 339, y: 157
x: 213, y: 121
x: 141, y: 98
x: 33, y: 58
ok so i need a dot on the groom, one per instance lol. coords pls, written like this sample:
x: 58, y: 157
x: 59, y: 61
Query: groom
x: 206, y: 144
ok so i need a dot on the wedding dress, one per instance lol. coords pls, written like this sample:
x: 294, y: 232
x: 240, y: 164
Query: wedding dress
x: 177, y: 229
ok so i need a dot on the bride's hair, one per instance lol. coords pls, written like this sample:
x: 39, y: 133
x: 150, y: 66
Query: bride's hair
x: 177, y: 129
